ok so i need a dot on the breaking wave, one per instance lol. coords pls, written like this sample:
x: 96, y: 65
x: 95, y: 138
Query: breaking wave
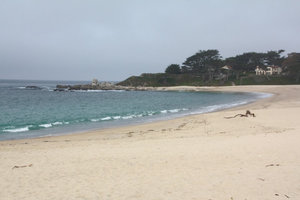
x: 17, y: 130
x: 12, y: 129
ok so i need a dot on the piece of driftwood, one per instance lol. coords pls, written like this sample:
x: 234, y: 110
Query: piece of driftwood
x: 272, y: 165
x: 248, y: 113
x: 22, y: 166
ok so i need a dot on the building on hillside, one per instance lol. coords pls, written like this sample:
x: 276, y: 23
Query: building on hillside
x: 271, y: 70
x: 259, y: 71
x: 226, y: 67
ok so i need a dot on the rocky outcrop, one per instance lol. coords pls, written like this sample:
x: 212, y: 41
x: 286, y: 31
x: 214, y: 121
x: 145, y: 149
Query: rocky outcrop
x: 99, y: 86
x: 33, y: 87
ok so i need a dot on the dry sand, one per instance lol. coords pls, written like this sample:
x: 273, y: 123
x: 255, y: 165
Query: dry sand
x: 196, y: 157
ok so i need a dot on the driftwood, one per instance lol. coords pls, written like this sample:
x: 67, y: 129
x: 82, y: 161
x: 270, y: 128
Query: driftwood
x: 242, y: 115
x: 22, y: 166
x: 271, y: 165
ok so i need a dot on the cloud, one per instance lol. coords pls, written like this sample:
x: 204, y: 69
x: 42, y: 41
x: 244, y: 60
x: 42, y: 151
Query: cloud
x: 110, y: 40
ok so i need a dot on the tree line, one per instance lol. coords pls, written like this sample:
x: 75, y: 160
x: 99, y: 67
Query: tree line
x: 208, y: 63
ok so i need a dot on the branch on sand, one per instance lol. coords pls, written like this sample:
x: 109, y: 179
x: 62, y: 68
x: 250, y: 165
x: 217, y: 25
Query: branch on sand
x: 22, y: 166
x: 248, y: 113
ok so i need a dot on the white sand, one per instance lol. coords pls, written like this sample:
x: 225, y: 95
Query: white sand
x: 196, y: 157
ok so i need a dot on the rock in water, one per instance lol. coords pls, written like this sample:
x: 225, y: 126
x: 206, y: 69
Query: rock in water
x: 33, y: 87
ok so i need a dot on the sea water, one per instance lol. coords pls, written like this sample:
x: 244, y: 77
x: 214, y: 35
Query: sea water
x: 36, y: 112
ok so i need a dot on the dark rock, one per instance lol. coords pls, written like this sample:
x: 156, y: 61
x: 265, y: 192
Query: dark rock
x: 33, y: 87
x: 63, y: 86
x: 60, y: 90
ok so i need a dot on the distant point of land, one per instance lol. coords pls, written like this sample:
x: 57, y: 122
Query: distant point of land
x: 207, y: 68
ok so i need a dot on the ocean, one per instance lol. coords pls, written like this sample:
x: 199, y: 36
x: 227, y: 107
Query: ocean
x: 39, y: 111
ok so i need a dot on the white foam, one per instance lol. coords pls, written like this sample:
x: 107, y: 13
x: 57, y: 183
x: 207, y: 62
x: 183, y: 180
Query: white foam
x: 128, y: 117
x: 87, y: 90
x: 105, y: 118
x: 46, y: 125
x: 17, y: 130
x: 150, y: 113
x: 173, y: 110
x: 117, y: 117
x: 47, y: 88
x: 116, y: 90
x: 93, y: 90
x: 57, y: 123
x: 98, y: 90
x: 95, y: 120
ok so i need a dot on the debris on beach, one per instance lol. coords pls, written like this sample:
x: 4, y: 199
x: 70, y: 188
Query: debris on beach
x: 248, y: 113
x: 22, y: 166
x: 272, y: 165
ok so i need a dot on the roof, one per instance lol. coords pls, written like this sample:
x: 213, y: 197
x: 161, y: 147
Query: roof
x: 226, y: 67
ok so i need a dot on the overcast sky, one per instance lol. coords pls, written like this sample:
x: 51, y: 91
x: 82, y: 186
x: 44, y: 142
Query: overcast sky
x: 115, y: 39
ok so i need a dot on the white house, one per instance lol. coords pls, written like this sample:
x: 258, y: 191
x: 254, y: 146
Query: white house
x: 271, y: 70
x: 260, y: 71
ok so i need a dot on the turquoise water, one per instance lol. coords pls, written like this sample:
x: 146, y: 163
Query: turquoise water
x: 39, y: 112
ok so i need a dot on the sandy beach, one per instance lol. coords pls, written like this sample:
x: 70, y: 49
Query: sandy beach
x: 199, y: 157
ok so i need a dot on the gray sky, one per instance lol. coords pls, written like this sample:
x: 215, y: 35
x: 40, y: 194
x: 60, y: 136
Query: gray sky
x: 115, y: 39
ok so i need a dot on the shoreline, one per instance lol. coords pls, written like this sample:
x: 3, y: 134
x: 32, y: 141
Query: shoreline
x: 202, y: 156
x: 159, y: 119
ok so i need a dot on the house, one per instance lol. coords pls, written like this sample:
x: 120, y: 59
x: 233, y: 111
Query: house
x: 271, y: 70
x: 260, y: 71
x: 226, y: 67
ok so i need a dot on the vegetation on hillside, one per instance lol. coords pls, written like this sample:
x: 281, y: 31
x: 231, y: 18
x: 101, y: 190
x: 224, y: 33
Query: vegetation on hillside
x: 207, y: 67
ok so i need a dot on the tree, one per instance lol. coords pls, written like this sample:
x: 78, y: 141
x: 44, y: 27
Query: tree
x: 274, y: 57
x: 237, y: 63
x: 203, y: 61
x: 245, y: 62
x: 173, y: 69
x: 292, y: 65
x: 185, y: 69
